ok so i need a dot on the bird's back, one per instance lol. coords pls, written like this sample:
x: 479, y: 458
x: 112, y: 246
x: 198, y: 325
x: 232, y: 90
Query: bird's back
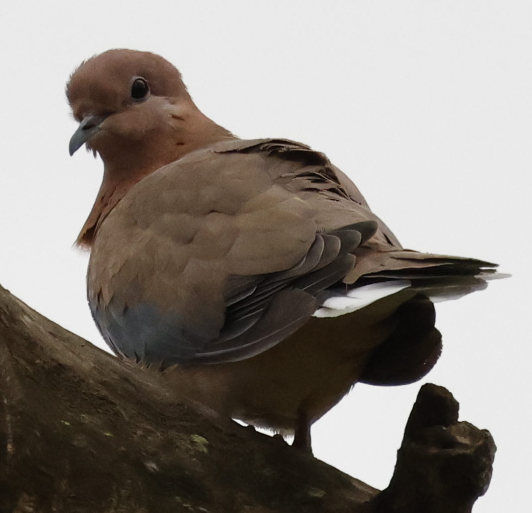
x: 208, y: 236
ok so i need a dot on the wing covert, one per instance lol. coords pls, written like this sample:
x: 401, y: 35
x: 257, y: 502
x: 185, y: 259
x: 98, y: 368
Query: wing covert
x: 185, y: 269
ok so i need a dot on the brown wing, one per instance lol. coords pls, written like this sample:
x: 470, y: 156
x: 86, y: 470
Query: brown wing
x: 226, y: 252
x: 209, y: 259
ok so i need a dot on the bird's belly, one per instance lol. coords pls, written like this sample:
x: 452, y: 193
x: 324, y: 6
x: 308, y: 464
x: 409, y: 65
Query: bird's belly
x: 280, y: 392
x: 305, y: 375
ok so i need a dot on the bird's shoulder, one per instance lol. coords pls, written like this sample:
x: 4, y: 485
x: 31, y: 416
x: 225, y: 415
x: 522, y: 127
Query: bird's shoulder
x: 231, y: 172
x: 290, y: 164
x: 296, y: 166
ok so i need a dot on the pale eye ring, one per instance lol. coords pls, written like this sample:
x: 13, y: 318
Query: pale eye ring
x: 139, y: 89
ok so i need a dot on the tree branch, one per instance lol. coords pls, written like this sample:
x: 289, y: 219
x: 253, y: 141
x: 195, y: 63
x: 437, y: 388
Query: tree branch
x: 82, y: 431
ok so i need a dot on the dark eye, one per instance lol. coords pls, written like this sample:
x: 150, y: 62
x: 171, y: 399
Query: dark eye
x: 139, y: 89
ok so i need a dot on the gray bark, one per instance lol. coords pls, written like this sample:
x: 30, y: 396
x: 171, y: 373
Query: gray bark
x: 83, y: 431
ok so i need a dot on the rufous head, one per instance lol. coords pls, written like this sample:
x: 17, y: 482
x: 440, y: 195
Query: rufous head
x: 129, y: 104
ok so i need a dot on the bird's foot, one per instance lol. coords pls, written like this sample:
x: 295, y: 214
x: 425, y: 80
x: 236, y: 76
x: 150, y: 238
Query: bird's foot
x: 302, y: 438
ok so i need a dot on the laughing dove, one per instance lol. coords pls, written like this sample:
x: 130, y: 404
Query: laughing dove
x: 253, y: 270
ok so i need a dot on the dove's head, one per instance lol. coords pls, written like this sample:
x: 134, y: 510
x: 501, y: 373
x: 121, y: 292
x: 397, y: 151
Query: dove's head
x: 135, y: 111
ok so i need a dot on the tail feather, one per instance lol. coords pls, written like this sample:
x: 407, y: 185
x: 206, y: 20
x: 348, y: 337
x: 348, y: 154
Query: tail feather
x: 439, y: 277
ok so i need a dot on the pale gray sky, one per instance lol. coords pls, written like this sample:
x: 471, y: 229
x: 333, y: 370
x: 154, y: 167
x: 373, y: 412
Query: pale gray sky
x: 426, y: 105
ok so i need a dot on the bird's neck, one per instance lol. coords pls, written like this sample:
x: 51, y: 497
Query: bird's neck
x: 122, y: 174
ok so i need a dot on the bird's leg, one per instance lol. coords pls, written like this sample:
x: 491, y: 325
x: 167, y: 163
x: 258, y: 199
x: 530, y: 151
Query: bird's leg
x: 302, y: 438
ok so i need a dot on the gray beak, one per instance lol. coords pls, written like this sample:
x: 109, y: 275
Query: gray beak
x: 87, y: 128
